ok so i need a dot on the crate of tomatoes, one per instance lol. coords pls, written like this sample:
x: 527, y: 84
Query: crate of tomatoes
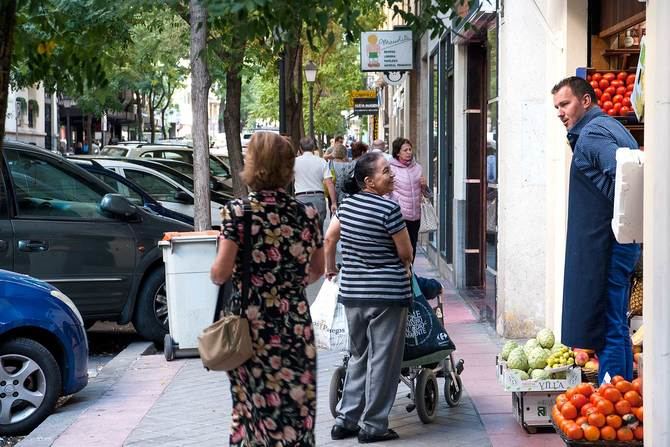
x: 609, y: 416
x: 613, y: 91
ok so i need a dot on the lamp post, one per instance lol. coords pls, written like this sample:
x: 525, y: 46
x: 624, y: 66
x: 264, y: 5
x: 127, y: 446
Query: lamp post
x: 310, y: 77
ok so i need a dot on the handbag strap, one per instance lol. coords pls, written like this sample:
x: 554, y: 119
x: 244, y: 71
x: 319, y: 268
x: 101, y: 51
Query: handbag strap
x: 246, y: 265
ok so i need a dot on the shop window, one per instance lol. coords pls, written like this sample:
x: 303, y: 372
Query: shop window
x: 492, y: 150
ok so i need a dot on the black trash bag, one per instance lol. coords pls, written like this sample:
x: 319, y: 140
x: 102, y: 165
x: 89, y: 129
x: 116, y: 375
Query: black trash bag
x: 426, y: 341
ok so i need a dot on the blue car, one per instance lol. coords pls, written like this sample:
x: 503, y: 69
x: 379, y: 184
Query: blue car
x: 43, y: 351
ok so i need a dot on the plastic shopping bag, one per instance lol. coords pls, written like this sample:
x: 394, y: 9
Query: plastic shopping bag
x: 426, y: 341
x: 329, y: 320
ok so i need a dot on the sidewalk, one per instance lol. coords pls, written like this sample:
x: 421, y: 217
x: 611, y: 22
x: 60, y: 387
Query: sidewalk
x: 146, y: 401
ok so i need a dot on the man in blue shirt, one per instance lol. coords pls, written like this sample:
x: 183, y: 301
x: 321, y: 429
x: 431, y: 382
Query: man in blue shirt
x: 597, y: 268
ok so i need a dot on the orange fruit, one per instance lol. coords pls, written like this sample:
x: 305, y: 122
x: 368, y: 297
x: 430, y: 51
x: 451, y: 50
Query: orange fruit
x: 569, y: 411
x: 605, y: 407
x: 638, y: 433
x: 634, y: 398
x: 637, y: 385
x: 604, y: 386
x: 624, y: 386
x: 597, y: 419
x: 614, y: 420
x: 581, y: 420
x: 624, y: 434
x: 570, y: 392
x: 616, y: 379
x: 565, y: 424
x: 591, y: 433
x: 593, y: 398
x: 585, y: 388
x: 612, y: 394
x: 583, y: 411
x: 607, y: 433
x: 639, y: 413
x: 622, y: 407
x: 575, y: 432
x: 578, y: 400
x: 560, y: 400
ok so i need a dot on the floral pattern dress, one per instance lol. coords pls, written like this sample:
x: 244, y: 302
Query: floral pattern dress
x: 274, y: 392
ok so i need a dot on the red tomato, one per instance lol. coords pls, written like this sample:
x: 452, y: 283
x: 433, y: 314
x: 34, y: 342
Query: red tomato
x: 611, y: 112
x: 606, y: 97
x: 620, y: 90
x: 617, y: 98
x: 617, y: 107
x: 594, y: 84
x: 588, y: 78
x: 622, y: 75
x: 600, y: 104
x: 598, y: 92
x: 629, y: 87
x: 607, y: 105
x: 604, y: 83
x: 610, y: 90
x: 609, y: 76
x: 630, y: 79
x: 625, y: 110
x: 627, y: 94
x: 597, y: 77
x: 626, y: 101
x: 616, y: 83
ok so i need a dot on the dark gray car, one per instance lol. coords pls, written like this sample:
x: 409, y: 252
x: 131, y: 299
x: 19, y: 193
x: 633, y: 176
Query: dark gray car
x: 61, y: 224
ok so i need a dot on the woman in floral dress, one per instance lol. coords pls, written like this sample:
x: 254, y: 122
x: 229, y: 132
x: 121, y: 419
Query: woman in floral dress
x: 274, y: 392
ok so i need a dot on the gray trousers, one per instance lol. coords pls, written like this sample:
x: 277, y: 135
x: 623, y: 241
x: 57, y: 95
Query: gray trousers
x: 318, y: 201
x: 377, y: 343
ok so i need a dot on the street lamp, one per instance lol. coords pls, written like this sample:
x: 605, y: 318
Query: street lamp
x: 310, y: 77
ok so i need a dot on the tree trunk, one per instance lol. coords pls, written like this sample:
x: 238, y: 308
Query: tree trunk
x: 7, y: 23
x: 138, y: 116
x: 200, y: 84
x: 293, y: 85
x: 152, y: 123
x: 89, y: 133
x: 232, y: 112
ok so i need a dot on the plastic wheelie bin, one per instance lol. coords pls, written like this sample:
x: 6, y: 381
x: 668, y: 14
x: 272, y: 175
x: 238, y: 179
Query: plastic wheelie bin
x: 191, y: 295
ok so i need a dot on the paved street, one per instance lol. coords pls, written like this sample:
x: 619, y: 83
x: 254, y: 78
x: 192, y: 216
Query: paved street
x: 142, y: 400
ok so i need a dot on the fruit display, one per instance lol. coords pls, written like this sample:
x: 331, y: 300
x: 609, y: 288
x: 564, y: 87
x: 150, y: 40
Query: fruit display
x: 612, y: 412
x: 613, y: 91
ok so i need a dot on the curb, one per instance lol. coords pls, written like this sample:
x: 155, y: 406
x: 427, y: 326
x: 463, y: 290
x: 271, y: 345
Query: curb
x: 56, y: 424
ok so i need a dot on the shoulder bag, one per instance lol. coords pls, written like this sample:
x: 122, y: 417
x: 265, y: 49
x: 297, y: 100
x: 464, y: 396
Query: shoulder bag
x: 226, y: 343
x: 428, y: 216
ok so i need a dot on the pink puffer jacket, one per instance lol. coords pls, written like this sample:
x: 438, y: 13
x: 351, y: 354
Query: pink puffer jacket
x: 407, y: 190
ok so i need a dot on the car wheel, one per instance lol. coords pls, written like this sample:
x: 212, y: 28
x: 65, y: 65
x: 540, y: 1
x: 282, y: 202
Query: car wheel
x: 30, y: 384
x: 151, y: 317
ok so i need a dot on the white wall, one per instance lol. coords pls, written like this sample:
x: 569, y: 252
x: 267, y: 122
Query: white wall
x: 540, y: 43
x: 26, y: 134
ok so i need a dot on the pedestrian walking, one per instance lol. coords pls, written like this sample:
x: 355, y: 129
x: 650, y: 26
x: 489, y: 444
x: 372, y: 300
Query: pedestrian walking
x: 410, y: 186
x: 274, y: 392
x: 341, y: 167
x: 328, y: 154
x: 376, y: 292
x: 311, y: 174
x: 597, y: 267
x: 380, y: 146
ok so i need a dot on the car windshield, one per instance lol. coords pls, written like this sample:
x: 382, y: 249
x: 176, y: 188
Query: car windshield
x: 114, y: 151
x: 218, y: 168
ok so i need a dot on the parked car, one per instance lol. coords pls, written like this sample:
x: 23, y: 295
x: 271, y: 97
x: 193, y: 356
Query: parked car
x: 131, y: 191
x: 43, y: 351
x: 170, y: 193
x: 183, y: 153
x: 61, y: 224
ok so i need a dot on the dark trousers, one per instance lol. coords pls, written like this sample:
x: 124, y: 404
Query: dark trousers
x: 616, y: 357
x: 413, y: 230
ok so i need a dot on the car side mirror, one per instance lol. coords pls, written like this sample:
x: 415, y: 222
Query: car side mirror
x: 118, y: 205
x: 183, y: 197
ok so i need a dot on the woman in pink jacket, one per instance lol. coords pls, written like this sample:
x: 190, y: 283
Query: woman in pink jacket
x: 409, y: 186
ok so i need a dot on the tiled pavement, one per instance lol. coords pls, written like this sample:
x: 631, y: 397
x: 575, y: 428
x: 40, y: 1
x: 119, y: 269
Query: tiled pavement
x: 158, y: 403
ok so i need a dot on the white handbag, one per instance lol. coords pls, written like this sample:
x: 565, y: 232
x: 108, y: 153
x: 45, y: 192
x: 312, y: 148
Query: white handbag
x: 428, y: 217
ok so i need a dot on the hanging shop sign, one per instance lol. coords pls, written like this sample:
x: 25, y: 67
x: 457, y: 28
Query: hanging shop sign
x: 366, y: 106
x: 387, y: 51
x: 358, y: 94
x: 394, y: 77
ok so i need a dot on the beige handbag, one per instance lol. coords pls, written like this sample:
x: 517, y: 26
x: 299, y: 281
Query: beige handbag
x: 428, y: 216
x: 226, y: 343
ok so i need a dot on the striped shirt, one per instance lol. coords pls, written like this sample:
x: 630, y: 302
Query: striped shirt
x: 372, y: 272
x: 594, y: 140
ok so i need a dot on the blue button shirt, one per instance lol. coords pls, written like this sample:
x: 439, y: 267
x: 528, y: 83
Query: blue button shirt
x: 594, y: 141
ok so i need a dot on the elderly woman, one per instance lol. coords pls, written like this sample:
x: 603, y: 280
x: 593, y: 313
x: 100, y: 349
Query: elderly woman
x: 410, y: 186
x: 274, y: 392
x: 375, y: 291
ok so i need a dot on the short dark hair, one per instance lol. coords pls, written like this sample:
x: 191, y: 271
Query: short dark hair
x: 397, y: 145
x: 307, y: 144
x: 339, y: 139
x: 365, y: 167
x: 579, y: 87
x: 358, y: 149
